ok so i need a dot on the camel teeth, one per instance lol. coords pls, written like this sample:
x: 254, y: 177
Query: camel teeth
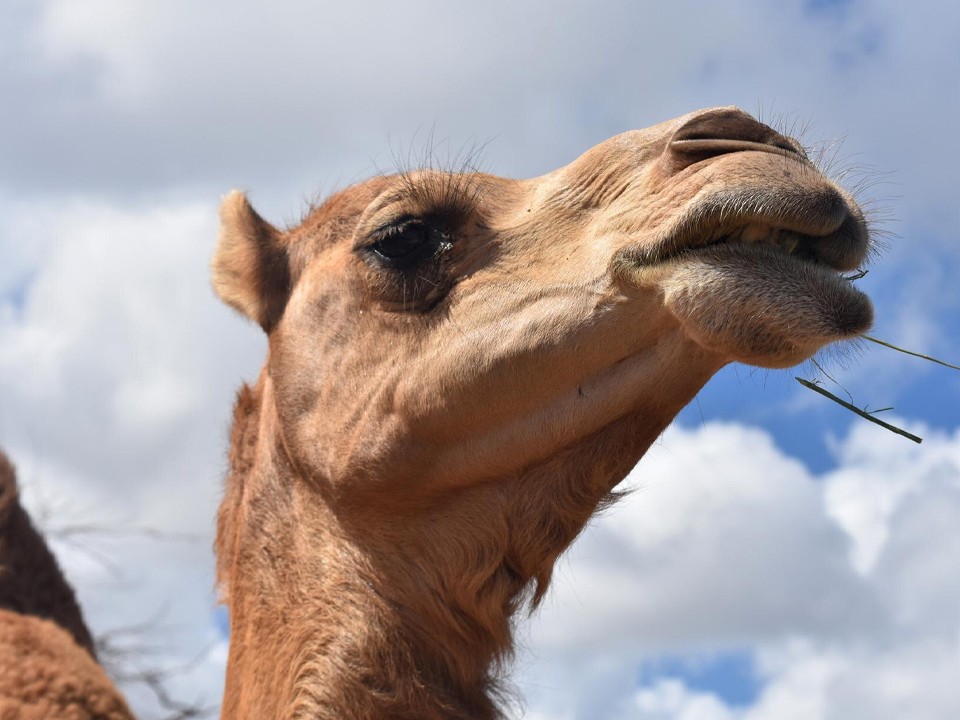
x: 784, y: 240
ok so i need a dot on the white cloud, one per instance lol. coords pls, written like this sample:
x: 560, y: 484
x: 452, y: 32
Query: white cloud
x: 671, y: 700
x: 247, y: 92
x: 865, y: 508
x: 119, y: 344
x: 117, y: 370
x: 844, y: 587
x: 730, y: 532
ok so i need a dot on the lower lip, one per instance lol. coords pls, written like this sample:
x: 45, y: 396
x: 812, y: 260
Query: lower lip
x: 787, y: 282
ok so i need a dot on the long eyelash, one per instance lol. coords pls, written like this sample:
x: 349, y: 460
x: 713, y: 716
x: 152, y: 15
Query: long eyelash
x: 450, y: 187
x: 442, y: 194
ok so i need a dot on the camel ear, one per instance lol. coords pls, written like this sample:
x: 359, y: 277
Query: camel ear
x: 250, y: 268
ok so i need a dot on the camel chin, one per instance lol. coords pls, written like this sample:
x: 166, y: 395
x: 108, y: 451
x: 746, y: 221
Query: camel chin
x: 755, y: 304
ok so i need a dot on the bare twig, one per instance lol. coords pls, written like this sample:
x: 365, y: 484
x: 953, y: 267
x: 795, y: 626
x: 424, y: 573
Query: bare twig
x: 831, y: 378
x: 156, y: 680
x: 83, y: 535
x: 910, y: 352
x: 862, y: 413
x: 125, y: 664
x: 126, y: 652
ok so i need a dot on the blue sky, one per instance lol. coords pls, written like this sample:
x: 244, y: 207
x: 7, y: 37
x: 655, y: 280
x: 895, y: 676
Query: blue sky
x: 777, y: 556
x: 731, y: 674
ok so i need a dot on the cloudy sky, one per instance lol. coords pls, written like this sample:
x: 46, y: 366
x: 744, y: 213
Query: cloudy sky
x: 779, y: 558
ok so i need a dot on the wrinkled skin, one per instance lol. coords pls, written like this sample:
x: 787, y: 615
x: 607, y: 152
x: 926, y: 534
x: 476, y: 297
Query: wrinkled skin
x: 461, y: 369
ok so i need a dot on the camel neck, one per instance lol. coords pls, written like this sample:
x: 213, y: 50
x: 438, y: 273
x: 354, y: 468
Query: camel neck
x: 384, y: 609
x: 343, y: 624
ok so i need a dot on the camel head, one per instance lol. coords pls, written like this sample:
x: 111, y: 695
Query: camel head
x: 462, y: 367
x: 437, y: 330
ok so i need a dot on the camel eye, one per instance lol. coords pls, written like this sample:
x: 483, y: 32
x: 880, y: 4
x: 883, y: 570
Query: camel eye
x: 409, y: 263
x: 405, y: 245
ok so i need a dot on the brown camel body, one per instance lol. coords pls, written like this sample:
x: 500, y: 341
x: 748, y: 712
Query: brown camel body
x: 48, y: 668
x: 461, y: 369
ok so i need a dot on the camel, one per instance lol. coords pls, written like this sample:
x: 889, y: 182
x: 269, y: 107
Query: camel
x: 461, y: 368
x: 48, y: 667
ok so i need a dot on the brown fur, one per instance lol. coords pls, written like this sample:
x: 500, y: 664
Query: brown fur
x: 461, y: 369
x: 48, y: 668
x: 31, y: 582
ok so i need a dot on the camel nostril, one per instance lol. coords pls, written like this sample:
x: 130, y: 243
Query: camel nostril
x: 726, y: 130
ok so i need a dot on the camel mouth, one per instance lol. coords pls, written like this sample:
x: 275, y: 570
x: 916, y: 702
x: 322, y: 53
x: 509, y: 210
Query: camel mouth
x: 835, y: 251
x: 818, y: 226
x: 766, y: 288
x: 825, y: 232
x: 791, y: 243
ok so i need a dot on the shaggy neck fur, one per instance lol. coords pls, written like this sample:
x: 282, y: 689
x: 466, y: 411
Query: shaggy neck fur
x: 340, y: 612
x: 31, y: 581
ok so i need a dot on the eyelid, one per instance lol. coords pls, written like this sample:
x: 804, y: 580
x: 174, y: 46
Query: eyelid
x: 436, y: 228
x: 441, y: 207
x: 396, y: 225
